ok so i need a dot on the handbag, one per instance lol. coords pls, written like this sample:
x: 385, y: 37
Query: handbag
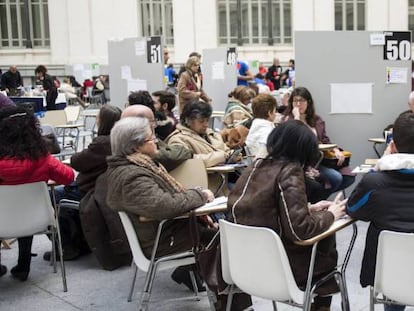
x: 207, y: 258
x: 330, y: 160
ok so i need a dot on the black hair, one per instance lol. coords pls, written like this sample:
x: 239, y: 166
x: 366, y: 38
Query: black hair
x: 20, y: 135
x: 141, y: 98
x: 310, y: 110
x: 403, y: 132
x: 108, y: 115
x: 41, y: 69
x: 294, y: 141
x: 195, y: 110
x: 166, y: 98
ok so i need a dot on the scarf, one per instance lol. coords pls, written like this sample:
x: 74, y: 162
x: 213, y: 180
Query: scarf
x: 145, y: 161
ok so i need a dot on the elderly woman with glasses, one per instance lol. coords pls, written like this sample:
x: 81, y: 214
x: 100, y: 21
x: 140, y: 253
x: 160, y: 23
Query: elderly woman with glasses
x: 194, y: 133
x: 190, y: 84
x: 140, y: 186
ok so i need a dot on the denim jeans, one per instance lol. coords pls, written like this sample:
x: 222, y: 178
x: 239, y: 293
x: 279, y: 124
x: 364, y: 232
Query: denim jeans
x: 333, y: 176
x: 394, y: 308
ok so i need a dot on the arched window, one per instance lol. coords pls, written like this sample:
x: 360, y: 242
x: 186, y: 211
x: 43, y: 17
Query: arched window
x: 24, y: 24
x: 349, y: 14
x: 157, y: 19
x: 262, y: 22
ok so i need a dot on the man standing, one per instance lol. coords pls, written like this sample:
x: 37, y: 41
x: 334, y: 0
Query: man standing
x: 385, y: 197
x: 11, y: 80
x: 274, y: 73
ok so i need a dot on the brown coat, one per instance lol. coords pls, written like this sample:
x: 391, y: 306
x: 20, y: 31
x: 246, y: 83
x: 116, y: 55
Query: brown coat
x: 187, y: 90
x: 275, y: 197
x: 140, y: 192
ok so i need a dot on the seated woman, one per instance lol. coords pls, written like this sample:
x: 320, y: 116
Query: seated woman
x: 196, y: 136
x: 194, y: 133
x: 90, y: 163
x: 301, y: 107
x: 25, y: 159
x: 281, y: 203
x: 140, y: 186
x: 264, y: 110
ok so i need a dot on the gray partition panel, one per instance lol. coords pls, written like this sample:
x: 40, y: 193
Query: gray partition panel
x: 219, y: 78
x: 131, y: 53
x: 326, y: 57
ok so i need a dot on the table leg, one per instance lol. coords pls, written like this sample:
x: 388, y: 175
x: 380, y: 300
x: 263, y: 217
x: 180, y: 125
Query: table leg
x: 376, y: 151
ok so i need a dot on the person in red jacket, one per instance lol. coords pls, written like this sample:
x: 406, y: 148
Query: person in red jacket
x: 25, y: 159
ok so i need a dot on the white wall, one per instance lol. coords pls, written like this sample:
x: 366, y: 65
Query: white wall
x: 387, y: 15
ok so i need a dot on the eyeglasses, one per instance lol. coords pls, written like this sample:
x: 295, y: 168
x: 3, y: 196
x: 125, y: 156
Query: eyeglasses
x: 152, y: 138
x: 299, y: 101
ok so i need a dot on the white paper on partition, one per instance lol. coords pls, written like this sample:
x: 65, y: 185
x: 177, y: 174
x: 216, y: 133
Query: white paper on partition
x: 140, y: 47
x: 125, y: 72
x: 351, y: 97
x: 217, y: 71
x: 377, y: 39
x: 136, y: 85
x: 397, y: 74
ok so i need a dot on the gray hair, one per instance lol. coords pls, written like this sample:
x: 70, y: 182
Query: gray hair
x: 128, y: 134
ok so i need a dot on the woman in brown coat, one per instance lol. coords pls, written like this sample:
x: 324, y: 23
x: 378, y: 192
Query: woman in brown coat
x: 271, y: 193
x: 190, y: 87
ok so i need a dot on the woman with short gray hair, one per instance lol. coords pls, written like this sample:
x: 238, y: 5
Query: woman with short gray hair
x: 140, y: 186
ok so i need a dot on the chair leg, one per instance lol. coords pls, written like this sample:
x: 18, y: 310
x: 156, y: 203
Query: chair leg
x: 230, y: 297
x: 193, y: 281
x: 133, y: 283
x: 146, y: 293
x: 371, y: 298
x: 344, y: 292
x: 274, y: 305
x: 60, y: 252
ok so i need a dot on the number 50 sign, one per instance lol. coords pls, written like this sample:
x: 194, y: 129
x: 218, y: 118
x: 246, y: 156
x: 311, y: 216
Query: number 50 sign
x: 397, y: 45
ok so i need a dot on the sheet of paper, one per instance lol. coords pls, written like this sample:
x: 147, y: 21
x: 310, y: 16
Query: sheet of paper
x: 396, y: 75
x: 140, y: 47
x: 377, y: 39
x: 136, y: 85
x: 126, y: 72
x: 217, y: 71
x: 351, y: 97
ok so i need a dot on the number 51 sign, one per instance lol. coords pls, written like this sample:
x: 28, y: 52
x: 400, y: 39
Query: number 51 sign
x: 397, y: 45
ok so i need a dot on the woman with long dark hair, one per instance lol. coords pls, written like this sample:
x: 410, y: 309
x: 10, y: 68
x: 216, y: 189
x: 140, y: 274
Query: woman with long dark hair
x: 24, y: 159
x: 272, y: 193
x: 301, y: 107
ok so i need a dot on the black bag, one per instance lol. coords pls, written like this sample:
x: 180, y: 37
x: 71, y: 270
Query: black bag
x: 208, y: 263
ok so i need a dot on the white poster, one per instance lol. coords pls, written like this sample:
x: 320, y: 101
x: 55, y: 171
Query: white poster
x: 134, y: 85
x: 140, y: 47
x: 217, y: 71
x: 125, y: 72
x: 351, y: 97
x: 397, y: 75
x: 377, y: 39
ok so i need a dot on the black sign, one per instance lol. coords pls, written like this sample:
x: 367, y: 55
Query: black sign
x: 397, y: 45
x: 154, y: 50
x: 231, y: 56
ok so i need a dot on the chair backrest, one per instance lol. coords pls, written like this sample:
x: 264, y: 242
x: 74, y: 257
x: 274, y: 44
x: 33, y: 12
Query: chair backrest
x: 258, y: 262
x: 26, y: 209
x: 191, y: 173
x: 89, y: 123
x: 139, y: 258
x: 394, y: 272
x: 54, y: 117
x: 72, y: 113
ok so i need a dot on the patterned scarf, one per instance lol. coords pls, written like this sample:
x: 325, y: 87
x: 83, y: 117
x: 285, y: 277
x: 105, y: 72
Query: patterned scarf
x: 144, y: 160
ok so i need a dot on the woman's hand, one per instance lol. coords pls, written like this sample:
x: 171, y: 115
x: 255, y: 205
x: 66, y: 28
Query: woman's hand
x: 337, y: 206
x: 296, y: 113
x: 340, y: 156
x: 319, y: 206
x: 208, y: 195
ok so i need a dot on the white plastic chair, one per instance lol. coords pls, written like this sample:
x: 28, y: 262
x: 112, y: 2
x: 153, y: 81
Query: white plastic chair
x: 72, y: 113
x: 26, y: 210
x: 152, y: 265
x: 394, y: 271
x: 262, y: 268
